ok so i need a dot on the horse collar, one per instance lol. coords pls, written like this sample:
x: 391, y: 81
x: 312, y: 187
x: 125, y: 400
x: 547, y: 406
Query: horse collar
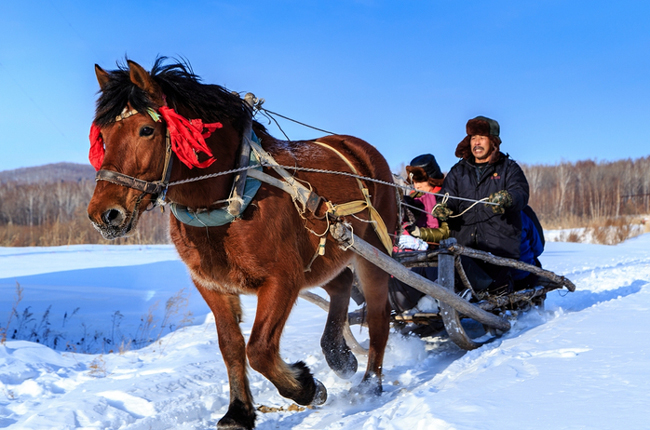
x: 221, y: 216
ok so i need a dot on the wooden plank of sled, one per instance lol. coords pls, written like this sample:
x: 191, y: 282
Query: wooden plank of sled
x: 500, y: 261
x: 450, y: 316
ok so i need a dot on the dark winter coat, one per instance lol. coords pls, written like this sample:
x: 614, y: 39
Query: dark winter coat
x: 480, y: 228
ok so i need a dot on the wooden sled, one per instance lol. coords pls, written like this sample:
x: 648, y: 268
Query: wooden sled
x: 487, y: 308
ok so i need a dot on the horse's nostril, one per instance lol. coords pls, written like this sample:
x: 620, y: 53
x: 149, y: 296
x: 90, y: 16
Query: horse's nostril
x: 112, y: 217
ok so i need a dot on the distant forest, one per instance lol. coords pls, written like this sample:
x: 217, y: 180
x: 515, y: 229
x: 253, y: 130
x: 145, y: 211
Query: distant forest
x: 569, y: 195
x: 46, y: 205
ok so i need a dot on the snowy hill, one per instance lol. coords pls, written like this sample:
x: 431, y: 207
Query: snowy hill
x: 583, y: 363
x: 49, y: 173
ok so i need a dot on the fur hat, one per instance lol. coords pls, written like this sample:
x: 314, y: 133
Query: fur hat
x: 480, y: 126
x: 425, y: 168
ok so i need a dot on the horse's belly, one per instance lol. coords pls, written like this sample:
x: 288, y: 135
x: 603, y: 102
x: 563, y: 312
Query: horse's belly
x: 223, y: 286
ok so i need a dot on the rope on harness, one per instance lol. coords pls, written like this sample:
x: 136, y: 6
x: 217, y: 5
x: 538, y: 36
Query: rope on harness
x: 333, y: 172
x: 270, y: 113
x: 446, y: 197
x: 300, y: 193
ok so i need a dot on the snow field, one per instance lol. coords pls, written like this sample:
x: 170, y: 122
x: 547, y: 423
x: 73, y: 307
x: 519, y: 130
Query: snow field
x: 582, y: 363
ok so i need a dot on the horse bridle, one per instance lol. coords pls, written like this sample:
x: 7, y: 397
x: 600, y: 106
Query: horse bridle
x: 157, y: 188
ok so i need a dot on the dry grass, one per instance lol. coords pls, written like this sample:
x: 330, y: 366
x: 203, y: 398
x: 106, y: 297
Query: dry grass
x: 14, y: 312
x: 613, y: 231
x: 152, y: 229
x: 609, y: 231
x: 97, y: 367
x: 26, y: 324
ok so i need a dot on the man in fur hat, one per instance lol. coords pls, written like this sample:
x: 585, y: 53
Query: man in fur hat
x: 484, y: 171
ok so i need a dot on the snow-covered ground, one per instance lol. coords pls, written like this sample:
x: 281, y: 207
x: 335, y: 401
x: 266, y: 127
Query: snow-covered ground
x: 583, y: 363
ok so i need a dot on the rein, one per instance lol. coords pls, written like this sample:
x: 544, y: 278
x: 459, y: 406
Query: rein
x: 332, y: 172
x: 156, y: 188
x: 245, y: 184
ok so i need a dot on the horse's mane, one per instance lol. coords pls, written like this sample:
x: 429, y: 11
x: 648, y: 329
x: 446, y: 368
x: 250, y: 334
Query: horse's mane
x: 182, y: 89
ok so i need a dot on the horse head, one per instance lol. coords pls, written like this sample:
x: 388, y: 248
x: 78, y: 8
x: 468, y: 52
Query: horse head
x: 135, y: 138
x: 132, y: 144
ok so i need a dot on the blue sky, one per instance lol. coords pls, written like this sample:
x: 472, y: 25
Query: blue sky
x: 567, y: 80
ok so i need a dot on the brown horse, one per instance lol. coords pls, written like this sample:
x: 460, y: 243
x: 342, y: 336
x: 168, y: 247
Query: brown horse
x: 269, y: 250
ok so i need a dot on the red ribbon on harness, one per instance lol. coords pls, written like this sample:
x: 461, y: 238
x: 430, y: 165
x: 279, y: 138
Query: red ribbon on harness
x: 187, y: 137
x: 187, y: 140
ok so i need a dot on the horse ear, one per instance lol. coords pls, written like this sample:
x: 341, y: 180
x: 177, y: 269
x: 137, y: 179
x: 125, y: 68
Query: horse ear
x: 102, y: 76
x: 142, y: 79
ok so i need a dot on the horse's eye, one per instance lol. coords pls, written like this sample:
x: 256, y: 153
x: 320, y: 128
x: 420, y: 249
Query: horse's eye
x: 146, y: 131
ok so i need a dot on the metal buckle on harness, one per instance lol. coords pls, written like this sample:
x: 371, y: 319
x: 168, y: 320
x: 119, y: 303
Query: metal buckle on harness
x: 313, y: 202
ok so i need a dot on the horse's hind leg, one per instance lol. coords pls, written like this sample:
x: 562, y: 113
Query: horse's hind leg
x: 337, y: 353
x: 374, y: 283
x: 227, y: 315
x: 275, y: 300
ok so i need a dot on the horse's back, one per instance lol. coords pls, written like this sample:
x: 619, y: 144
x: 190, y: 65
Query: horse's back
x: 370, y: 164
x: 367, y: 156
x: 337, y: 158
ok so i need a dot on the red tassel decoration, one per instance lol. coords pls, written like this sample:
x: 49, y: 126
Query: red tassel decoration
x: 96, y: 154
x: 187, y: 137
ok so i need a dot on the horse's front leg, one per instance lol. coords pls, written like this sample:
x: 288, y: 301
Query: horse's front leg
x: 337, y: 352
x: 227, y: 315
x: 275, y: 300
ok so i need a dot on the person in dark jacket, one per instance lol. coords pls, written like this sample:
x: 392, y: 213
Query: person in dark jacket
x: 484, y: 172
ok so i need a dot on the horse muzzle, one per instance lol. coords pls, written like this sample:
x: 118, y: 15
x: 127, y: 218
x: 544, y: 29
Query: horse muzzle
x: 114, y: 222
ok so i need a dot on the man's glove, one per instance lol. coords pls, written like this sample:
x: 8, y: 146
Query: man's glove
x: 503, y: 200
x: 435, y: 234
x: 413, y: 230
x: 441, y: 211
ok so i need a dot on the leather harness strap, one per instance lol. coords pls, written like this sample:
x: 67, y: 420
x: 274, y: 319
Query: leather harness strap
x: 129, y: 181
x: 310, y: 200
x: 359, y: 205
x: 155, y: 188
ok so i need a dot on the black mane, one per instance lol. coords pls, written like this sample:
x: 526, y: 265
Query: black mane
x: 182, y: 89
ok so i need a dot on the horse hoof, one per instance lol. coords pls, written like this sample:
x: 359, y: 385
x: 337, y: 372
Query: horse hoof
x: 320, y: 394
x: 342, y: 361
x: 240, y: 416
x: 229, y: 424
x: 345, y: 364
x: 367, y: 388
x: 349, y: 370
